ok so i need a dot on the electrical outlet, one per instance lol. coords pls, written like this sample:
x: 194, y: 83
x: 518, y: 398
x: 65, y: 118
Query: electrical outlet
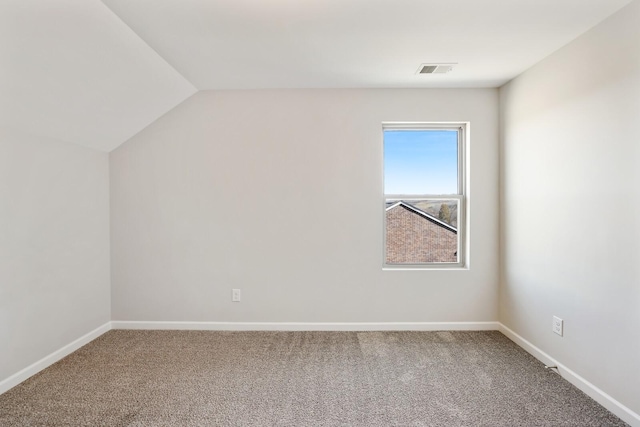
x: 235, y: 295
x: 557, y: 325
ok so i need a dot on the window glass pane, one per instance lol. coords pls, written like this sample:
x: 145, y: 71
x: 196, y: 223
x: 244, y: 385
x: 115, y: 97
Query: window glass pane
x: 421, y: 231
x: 420, y: 162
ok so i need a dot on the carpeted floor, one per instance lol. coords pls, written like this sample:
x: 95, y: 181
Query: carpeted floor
x: 198, y: 378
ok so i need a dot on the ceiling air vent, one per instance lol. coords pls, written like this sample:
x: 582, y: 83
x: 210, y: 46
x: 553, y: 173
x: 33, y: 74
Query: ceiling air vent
x: 435, y: 68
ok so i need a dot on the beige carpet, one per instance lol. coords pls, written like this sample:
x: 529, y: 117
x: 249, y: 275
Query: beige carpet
x: 194, y: 378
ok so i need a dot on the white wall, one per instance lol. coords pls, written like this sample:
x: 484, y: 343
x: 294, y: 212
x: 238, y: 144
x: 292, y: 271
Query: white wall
x: 279, y: 193
x: 570, y: 220
x: 54, y: 246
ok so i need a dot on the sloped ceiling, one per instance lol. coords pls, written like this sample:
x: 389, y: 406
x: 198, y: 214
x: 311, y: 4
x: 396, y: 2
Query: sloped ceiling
x: 96, y: 73
x: 73, y: 71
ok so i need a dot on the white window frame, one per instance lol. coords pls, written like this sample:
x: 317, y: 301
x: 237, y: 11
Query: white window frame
x: 461, y: 197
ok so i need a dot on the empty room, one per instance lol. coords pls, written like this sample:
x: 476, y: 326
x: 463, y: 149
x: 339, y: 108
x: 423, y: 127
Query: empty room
x: 319, y: 213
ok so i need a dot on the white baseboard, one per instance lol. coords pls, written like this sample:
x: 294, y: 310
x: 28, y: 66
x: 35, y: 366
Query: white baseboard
x: 52, y: 358
x: 309, y: 326
x: 624, y: 413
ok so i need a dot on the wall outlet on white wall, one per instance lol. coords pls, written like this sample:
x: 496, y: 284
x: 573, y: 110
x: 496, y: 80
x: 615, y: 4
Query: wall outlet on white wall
x: 235, y: 295
x: 557, y: 325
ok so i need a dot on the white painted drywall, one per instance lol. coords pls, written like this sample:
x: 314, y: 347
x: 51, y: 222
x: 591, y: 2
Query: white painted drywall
x: 570, y: 218
x: 54, y: 246
x: 254, y: 44
x: 279, y: 193
x: 73, y: 71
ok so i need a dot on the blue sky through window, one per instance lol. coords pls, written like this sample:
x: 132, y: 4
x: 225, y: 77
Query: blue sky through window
x: 420, y: 161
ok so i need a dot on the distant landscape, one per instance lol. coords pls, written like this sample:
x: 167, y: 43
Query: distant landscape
x: 434, y: 208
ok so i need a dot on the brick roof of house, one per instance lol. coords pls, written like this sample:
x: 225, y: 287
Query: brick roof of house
x: 422, y: 214
x: 414, y: 237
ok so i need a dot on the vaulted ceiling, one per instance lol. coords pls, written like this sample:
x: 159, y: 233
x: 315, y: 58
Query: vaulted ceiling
x: 96, y: 73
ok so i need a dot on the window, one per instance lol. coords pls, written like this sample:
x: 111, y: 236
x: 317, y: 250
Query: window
x: 424, y: 194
